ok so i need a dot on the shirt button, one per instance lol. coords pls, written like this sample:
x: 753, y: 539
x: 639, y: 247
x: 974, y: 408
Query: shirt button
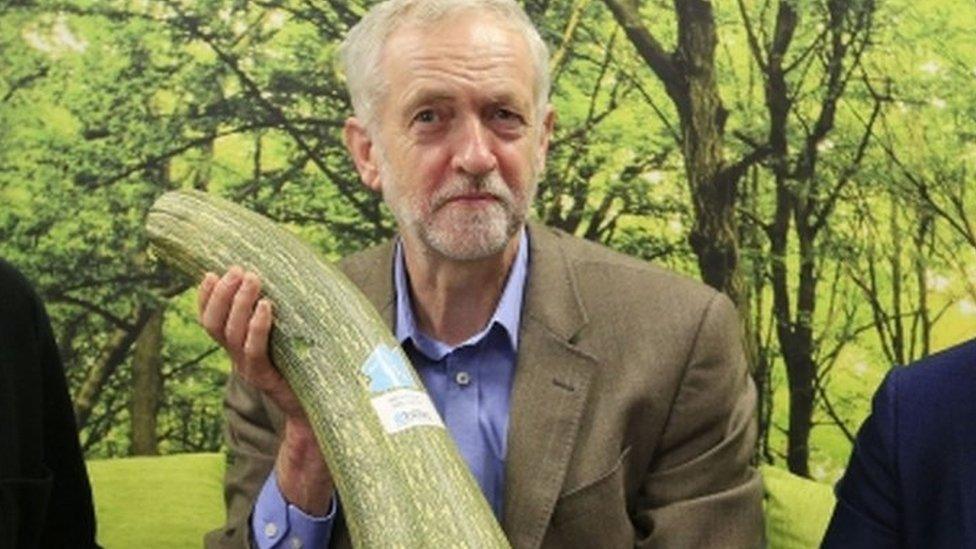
x: 270, y: 530
x: 295, y: 543
x: 462, y: 378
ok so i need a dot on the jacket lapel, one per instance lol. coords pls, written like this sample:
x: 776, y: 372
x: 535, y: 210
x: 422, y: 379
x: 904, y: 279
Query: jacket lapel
x: 372, y: 272
x: 552, y: 379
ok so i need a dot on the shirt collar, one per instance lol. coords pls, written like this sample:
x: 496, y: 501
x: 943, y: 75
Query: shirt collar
x: 508, y: 313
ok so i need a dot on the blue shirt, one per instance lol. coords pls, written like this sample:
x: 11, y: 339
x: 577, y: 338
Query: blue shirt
x: 470, y: 385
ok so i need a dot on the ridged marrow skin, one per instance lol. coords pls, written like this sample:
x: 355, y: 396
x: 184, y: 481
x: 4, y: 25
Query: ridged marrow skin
x: 400, y: 486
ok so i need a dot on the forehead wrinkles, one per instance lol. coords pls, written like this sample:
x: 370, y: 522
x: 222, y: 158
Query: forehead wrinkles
x: 448, y: 62
x: 446, y: 72
x: 460, y: 48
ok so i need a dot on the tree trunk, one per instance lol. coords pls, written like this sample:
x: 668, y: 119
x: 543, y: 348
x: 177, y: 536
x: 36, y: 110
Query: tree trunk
x: 714, y: 235
x: 689, y: 77
x: 112, y: 355
x: 758, y: 350
x: 800, y: 371
x: 147, y: 385
x: 801, y: 366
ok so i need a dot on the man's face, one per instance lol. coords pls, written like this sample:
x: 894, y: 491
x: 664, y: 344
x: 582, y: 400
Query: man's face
x: 458, y: 146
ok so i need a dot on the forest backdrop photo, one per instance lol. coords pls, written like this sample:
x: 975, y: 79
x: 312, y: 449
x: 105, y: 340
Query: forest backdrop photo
x: 814, y: 159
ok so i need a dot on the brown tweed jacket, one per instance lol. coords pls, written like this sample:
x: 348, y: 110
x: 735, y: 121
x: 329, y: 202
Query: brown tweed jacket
x: 632, y: 413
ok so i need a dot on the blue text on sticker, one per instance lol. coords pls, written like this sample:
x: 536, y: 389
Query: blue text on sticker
x: 386, y: 370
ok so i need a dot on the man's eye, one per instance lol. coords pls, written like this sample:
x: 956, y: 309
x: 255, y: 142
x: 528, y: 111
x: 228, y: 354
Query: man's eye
x: 507, y: 115
x: 508, y: 121
x: 426, y: 116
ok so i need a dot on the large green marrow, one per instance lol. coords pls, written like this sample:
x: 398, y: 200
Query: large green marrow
x: 400, y: 477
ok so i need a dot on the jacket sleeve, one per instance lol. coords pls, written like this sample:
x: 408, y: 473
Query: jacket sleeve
x: 701, y: 490
x: 867, y: 508
x: 252, y: 442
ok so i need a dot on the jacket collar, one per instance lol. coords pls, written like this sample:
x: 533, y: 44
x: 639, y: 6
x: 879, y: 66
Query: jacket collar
x: 551, y: 294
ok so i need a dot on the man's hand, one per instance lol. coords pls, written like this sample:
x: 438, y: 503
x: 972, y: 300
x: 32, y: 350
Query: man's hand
x: 231, y: 312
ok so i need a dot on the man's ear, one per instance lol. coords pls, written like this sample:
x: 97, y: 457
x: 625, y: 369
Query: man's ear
x: 360, y: 147
x: 545, y: 135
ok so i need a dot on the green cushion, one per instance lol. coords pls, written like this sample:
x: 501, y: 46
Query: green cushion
x: 158, y: 502
x: 797, y: 509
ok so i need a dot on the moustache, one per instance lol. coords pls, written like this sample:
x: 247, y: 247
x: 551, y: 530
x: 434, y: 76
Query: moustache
x: 458, y: 187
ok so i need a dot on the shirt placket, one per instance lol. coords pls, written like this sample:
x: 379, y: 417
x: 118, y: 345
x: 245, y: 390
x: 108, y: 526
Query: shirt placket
x: 461, y: 409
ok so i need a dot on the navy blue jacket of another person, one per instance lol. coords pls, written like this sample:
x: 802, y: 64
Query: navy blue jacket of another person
x: 911, y: 481
x: 45, y: 498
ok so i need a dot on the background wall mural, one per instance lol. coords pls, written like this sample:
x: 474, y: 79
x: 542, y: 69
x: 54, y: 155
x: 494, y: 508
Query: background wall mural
x: 814, y: 159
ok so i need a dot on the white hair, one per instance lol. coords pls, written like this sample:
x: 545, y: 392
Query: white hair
x: 361, y: 51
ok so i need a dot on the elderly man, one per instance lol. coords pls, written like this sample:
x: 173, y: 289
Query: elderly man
x: 598, y: 400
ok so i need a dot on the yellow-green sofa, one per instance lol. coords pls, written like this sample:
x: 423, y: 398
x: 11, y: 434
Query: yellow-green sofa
x: 171, y: 501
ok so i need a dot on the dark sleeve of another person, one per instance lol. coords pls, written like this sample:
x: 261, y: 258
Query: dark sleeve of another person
x: 45, y: 496
x: 868, y: 502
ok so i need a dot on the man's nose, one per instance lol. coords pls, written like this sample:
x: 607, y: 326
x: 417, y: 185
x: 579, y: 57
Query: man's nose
x: 473, y: 154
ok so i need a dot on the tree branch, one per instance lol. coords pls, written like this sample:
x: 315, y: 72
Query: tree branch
x: 757, y: 51
x: 650, y: 50
x: 558, y: 57
x: 178, y: 370
x: 23, y: 82
x: 829, y: 408
x: 58, y: 297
